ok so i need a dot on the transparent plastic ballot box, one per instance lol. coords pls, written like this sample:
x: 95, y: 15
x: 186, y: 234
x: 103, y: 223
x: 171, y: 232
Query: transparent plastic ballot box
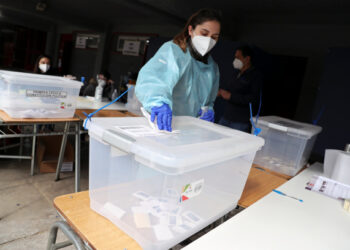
x: 25, y: 95
x: 160, y: 187
x: 288, y: 144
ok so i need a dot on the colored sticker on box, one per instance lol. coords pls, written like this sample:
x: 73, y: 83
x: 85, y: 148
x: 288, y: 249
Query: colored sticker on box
x: 191, y: 190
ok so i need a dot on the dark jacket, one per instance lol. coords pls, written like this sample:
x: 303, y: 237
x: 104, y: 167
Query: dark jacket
x: 89, y: 90
x: 244, y: 89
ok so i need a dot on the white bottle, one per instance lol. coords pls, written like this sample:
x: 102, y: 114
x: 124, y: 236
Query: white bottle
x: 115, y: 94
x: 98, y: 93
x: 99, y: 89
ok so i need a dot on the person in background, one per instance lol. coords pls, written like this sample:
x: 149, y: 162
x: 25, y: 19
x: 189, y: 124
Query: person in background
x: 104, y: 80
x: 182, y: 77
x: 43, y: 66
x: 89, y: 90
x: 244, y: 88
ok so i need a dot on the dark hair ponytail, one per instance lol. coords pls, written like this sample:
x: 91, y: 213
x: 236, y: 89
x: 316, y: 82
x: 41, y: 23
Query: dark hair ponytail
x: 199, y: 17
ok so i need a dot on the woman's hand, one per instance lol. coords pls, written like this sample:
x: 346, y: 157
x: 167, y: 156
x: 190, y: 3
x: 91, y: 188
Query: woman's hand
x: 164, y: 116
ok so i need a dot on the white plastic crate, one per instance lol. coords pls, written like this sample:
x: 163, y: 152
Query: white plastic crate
x: 288, y: 144
x: 162, y: 189
x: 25, y: 95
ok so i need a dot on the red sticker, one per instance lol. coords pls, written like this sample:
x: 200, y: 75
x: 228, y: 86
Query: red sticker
x: 184, y: 198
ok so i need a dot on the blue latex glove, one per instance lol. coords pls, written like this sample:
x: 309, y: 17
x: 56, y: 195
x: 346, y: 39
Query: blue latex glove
x: 207, y: 116
x: 164, y: 117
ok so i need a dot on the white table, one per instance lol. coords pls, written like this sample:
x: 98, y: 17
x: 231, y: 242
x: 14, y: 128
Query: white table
x: 277, y: 222
x: 90, y: 103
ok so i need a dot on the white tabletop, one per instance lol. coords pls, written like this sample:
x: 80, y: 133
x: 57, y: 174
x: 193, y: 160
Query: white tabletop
x: 277, y: 222
x: 90, y: 103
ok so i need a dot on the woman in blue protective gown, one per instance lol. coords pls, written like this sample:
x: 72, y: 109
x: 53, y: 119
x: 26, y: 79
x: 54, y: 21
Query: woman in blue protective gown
x: 182, y: 77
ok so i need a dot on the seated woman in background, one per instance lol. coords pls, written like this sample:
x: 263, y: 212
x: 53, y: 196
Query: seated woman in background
x: 43, y: 66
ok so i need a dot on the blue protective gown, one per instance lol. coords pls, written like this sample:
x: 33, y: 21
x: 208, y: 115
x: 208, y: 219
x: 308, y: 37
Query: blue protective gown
x: 177, y: 79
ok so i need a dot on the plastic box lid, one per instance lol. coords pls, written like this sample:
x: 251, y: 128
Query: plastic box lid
x: 12, y: 77
x: 289, y: 126
x: 198, y: 144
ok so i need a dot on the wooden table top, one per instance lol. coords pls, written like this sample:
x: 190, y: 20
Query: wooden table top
x: 93, y: 228
x: 260, y: 182
x: 7, y: 119
x: 102, y: 234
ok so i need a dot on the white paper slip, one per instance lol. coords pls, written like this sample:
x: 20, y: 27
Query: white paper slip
x: 142, y: 220
x: 153, y: 125
x: 139, y: 210
x: 170, y: 220
x: 169, y: 204
x: 183, y: 228
x: 192, y: 217
x: 114, y: 210
x: 151, y: 202
x: 141, y: 195
x: 138, y: 130
x: 148, y: 117
x: 162, y: 232
x: 157, y: 211
x: 329, y: 187
x: 175, y: 211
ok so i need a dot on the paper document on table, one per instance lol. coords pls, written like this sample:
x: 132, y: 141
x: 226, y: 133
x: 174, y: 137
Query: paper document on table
x: 329, y: 187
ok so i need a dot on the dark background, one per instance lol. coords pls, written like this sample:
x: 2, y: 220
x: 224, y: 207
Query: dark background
x: 302, y: 47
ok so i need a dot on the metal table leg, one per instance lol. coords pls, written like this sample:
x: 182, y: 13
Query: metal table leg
x: 73, y: 238
x: 35, y: 127
x: 21, y: 148
x: 62, y: 151
x: 77, y: 156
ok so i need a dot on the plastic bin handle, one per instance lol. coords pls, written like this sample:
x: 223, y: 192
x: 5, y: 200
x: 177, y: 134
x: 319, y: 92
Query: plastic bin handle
x: 118, y: 140
x: 278, y: 127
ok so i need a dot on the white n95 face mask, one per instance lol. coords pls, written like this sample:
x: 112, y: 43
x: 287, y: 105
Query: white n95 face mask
x: 237, y: 64
x: 44, y: 67
x: 203, y: 44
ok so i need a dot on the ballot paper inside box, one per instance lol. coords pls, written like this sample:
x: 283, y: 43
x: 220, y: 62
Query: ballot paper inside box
x: 160, y: 188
